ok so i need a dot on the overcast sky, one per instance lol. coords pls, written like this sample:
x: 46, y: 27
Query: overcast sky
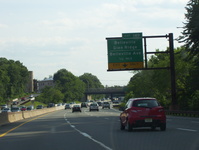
x: 49, y: 35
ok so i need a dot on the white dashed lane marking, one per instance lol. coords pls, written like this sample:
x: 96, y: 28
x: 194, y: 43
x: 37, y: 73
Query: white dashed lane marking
x: 87, y: 135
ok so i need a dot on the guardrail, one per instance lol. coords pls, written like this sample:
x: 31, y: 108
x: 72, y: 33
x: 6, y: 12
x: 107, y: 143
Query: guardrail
x: 9, y: 117
x: 182, y: 113
x: 175, y: 112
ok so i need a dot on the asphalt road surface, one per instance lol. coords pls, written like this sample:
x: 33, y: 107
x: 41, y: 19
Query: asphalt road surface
x: 64, y: 130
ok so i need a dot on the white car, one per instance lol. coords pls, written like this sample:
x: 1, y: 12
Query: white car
x: 6, y: 110
x: 94, y: 106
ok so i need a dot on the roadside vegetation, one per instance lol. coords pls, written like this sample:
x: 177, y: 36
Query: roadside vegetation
x: 68, y: 88
x: 13, y: 80
x: 156, y: 83
x: 34, y: 103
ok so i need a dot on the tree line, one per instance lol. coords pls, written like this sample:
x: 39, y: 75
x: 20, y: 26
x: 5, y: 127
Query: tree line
x: 69, y: 88
x: 157, y: 83
x: 13, y: 79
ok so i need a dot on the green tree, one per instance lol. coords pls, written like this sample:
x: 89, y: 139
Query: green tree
x: 156, y: 83
x: 190, y: 38
x: 91, y: 82
x: 71, y: 86
x: 50, y: 95
x: 13, y: 79
x: 190, y: 34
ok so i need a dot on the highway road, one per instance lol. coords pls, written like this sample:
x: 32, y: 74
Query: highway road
x: 64, y: 130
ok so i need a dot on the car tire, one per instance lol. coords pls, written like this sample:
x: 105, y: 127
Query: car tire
x: 163, y: 127
x: 129, y: 127
x: 122, y: 127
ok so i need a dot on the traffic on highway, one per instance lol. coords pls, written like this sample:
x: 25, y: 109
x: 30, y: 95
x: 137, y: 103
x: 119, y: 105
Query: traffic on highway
x: 99, y: 130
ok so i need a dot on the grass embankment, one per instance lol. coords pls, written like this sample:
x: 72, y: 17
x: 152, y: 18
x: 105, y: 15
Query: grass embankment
x: 34, y: 103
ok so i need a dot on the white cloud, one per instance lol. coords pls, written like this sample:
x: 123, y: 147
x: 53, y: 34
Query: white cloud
x: 3, y: 25
x: 48, y: 37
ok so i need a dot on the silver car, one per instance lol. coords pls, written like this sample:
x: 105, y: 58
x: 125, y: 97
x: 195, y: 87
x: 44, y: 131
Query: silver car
x: 94, y: 106
x: 106, y: 105
x: 15, y: 109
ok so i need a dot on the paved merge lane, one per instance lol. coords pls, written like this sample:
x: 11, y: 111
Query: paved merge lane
x: 63, y: 129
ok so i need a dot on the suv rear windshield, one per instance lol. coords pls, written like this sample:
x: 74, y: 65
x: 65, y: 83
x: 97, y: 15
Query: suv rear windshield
x: 145, y: 103
x: 93, y: 104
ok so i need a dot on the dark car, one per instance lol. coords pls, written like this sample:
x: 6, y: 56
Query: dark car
x: 143, y: 112
x: 67, y: 106
x: 83, y: 104
x: 40, y: 107
x: 30, y: 107
x: 116, y: 102
x: 99, y: 103
x: 76, y: 108
x: 51, y: 105
x: 3, y: 106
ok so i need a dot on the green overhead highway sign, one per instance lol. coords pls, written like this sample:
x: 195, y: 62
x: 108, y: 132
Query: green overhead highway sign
x: 126, y: 52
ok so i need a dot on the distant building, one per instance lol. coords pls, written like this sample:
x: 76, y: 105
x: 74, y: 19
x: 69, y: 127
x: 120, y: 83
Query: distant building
x: 43, y: 83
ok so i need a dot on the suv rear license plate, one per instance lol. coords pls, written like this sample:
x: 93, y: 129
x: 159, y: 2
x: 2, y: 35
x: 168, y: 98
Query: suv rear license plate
x: 148, y: 120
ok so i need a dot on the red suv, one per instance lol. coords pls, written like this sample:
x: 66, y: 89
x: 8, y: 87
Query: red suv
x: 143, y: 112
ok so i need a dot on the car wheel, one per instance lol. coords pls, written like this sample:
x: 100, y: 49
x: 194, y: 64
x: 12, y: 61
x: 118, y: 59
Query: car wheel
x: 129, y: 127
x: 163, y: 127
x: 122, y: 127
